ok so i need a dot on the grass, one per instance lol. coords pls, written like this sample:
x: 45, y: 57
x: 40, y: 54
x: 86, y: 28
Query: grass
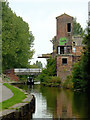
x: 16, y: 98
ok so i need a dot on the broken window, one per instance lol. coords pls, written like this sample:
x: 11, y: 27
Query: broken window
x: 68, y: 50
x: 58, y: 50
x: 74, y: 50
x: 64, y: 61
x: 62, y: 49
x: 68, y: 27
x: 65, y: 50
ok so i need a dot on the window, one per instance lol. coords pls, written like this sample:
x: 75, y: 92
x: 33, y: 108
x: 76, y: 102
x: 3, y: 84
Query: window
x: 74, y: 50
x: 58, y: 50
x: 68, y: 50
x: 62, y: 49
x: 65, y: 50
x: 68, y: 27
x: 64, y: 61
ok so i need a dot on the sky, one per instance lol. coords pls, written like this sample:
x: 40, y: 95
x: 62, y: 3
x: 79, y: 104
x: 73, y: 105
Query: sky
x: 41, y: 17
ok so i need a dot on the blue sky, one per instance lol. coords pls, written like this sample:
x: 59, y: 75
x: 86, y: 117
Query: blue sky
x: 41, y: 17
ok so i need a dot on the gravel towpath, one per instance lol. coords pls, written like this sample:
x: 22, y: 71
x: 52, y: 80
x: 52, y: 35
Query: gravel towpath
x: 5, y: 93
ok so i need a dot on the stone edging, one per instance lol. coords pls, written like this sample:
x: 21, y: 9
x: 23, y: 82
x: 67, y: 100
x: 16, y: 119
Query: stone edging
x: 19, y: 110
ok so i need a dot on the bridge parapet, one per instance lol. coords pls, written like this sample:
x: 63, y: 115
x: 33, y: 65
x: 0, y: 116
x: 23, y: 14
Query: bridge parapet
x: 27, y: 71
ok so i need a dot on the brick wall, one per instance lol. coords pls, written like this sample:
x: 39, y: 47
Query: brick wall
x: 62, y: 27
x: 11, y: 75
x: 62, y: 32
x: 64, y: 70
x: 78, y: 51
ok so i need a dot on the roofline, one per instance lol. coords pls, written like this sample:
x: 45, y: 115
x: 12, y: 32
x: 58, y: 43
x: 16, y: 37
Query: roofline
x: 62, y: 15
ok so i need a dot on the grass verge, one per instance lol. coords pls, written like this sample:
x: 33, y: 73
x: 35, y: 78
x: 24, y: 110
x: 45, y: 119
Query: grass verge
x: 16, y: 98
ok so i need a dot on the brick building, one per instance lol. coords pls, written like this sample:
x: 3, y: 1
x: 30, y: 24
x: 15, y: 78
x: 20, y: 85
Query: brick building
x: 66, y: 47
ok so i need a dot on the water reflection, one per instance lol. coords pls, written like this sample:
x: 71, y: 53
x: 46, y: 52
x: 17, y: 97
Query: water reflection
x: 58, y: 103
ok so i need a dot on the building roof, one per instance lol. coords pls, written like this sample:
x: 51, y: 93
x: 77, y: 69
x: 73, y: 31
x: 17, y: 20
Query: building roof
x: 63, y: 15
x: 78, y: 40
x: 48, y: 55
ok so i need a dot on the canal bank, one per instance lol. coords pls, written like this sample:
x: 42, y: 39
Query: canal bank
x: 19, y: 110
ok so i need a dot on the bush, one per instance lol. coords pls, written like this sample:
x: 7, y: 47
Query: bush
x: 51, y: 81
x: 55, y: 79
x: 77, y: 78
x: 22, y: 77
x: 5, y: 78
x: 48, y: 76
x: 68, y: 82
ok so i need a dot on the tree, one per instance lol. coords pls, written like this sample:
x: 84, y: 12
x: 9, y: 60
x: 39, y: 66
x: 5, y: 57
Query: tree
x: 86, y: 57
x: 39, y: 64
x: 17, y: 40
x: 81, y: 72
x: 0, y: 39
x: 79, y: 82
x: 77, y: 29
x: 49, y: 71
x: 51, y: 67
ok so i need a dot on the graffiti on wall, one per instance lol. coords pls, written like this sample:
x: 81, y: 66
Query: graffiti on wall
x: 62, y: 41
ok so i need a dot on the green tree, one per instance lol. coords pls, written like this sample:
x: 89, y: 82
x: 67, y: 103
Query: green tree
x: 51, y: 67
x: 0, y: 38
x: 49, y: 71
x: 86, y: 57
x: 39, y: 64
x: 17, y: 40
x: 81, y: 72
x: 79, y: 82
x: 77, y: 29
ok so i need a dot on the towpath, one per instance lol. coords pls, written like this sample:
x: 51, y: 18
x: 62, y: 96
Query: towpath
x: 5, y: 93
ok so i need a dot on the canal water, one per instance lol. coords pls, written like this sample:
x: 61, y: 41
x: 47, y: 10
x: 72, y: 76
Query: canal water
x: 52, y: 102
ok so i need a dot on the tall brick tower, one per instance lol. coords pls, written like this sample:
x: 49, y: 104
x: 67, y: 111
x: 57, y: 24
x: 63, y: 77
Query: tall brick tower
x: 64, y: 45
x: 64, y: 29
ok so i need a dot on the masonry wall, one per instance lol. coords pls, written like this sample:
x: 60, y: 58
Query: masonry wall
x: 11, y: 75
x: 62, y: 28
x: 67, y: 46
x: 78, y: 50
x: 64, y: 70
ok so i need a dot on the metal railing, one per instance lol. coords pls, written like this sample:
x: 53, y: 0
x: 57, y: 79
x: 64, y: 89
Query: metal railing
x: 26, y: 70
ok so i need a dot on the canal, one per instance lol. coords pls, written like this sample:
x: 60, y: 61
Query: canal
x: 52, y: 102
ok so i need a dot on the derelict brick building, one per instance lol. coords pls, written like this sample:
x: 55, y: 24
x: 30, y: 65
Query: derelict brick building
x: 66, y: 48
